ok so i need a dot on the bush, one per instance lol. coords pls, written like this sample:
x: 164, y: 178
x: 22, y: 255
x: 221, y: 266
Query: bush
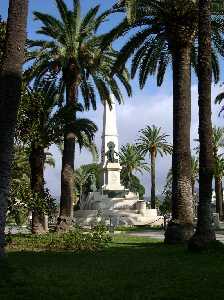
x: 75, y: 240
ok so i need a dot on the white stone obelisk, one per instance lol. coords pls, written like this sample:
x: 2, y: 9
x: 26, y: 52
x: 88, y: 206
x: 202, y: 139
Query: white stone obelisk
x: 109, y: 133
x: 111, y: 171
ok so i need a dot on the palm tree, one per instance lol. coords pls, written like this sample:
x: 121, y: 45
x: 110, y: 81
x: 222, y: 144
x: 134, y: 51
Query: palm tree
x: 10, y: 86
x: 217, y: 140
x: 204, y: 232
x: 73, y: 52
x: 152, y: 141
x: 168, y: 34
x: 131, y: 161
x: 81, y: 177
x: 219, y: 173
x: 217, y: 143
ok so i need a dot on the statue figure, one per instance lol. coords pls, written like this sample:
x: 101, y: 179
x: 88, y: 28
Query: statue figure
x: 111, y: 153
x: 92, y: 183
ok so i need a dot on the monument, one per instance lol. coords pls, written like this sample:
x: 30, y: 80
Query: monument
x: 113, y: 202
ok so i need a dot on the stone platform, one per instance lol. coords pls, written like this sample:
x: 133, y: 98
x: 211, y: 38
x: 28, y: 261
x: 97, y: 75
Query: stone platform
x: 117, y: 217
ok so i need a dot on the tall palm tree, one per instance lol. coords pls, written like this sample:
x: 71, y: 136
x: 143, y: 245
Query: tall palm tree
x: 73, y: 52
x: 218, y: 144
x: 204, y: 232
x: 152, y: 141
x: 10, y: 88
x: 168, y: 34
x: 131, y: 161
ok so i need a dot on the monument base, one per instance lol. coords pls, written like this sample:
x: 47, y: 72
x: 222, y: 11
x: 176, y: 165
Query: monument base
x: 111, y: 177
x: 117, y: 218
x: 127, y: 210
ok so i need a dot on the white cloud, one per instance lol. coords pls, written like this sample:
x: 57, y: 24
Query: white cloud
x: 143, y: 109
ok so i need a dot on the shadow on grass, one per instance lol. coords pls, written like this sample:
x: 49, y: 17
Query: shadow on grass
x: 132, y: 269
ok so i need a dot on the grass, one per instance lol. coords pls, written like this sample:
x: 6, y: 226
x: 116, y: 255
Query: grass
x: 138, y: 228
x: 131, y: 268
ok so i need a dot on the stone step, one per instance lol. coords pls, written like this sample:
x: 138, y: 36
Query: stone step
x: 118, y: 217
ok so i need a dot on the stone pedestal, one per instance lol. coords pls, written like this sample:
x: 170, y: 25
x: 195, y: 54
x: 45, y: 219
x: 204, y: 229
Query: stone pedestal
x: 111, y: 174
x: 141, y: 207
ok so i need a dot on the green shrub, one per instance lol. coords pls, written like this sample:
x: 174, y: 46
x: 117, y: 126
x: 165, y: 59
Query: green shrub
x: 74, y: 240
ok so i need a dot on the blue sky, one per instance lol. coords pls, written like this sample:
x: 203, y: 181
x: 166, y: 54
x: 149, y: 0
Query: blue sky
x: 149, y: 106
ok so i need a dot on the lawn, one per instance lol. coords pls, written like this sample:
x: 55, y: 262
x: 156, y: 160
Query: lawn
x: 131, y: 268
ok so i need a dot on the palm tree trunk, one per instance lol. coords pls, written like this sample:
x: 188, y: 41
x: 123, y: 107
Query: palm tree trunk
x: 180, y: 229
x: 10, y: 87
x: 193, y: 187
x: 218, y: 195
x: 153, y: 175
x: 36, y: 159
x: 67, y: 172
x: 204, y: 232
x: 222, y: 198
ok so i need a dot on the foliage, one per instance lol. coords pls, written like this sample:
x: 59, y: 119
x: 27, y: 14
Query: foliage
x: 75, y: 56
x: 19, y: 186
x: 134, y: 185
x: 152, y: 140
x: 42, y: 202
x: 219, y: 167
x: 75, y: 240
x: 150, y: 46
x: 217, y: 140
x: 165, y: 206
x: 2, y: 37
x: 194, y: 170
x: 43, y: 115
x: 131, y: 161
x: 83, y: 177
x: 38, y: 120
x: 21, y: 198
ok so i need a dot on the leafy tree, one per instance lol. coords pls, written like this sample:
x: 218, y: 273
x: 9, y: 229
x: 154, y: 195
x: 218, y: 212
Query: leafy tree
x: 10, y: 89
x: 151, y: 142
x: 73, y: 52
x: 19, y: 186
x: 131, y: 161
x: 41, y: 124
x: 21, y: 198
x: 134, y: 185
x: 38, y: 127
x: 168, y: 34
